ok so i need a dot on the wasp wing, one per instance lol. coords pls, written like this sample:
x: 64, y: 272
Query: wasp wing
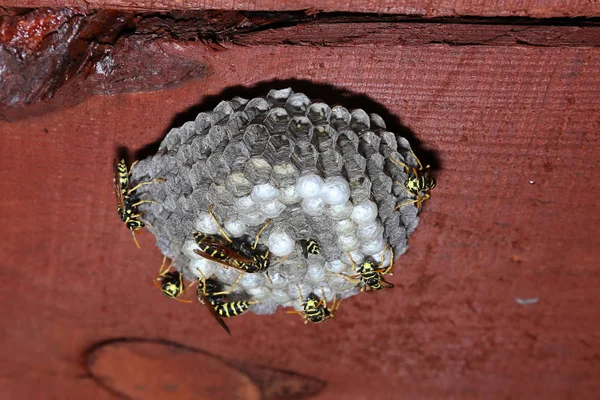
x: 117, y: 184
x: 204, y: 300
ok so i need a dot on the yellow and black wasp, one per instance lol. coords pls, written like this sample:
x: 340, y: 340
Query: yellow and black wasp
x: 171, y: 283
x: 235, y: 253
x: 417, y: 182
x: 309, y: 246
x: 371, y: 274
x: 314, y: 309
x: 209, y: 293
x: 126, y: 204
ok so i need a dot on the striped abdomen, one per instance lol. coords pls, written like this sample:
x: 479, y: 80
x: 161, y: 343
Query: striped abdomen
x: 228, y: 309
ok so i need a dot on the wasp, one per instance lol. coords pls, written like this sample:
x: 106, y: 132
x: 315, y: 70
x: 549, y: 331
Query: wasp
x: 235, y: 253
x: 126, y: 204
x: 171, y: 283
x: 209, y: 294
x: 371, y: 274
x: 314, y: 309
x: 310, y: 246
x: 417, y: 182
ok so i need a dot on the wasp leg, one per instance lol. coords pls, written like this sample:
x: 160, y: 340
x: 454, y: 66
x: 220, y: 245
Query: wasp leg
x: 135, y: 240
x: 418, y: 161
x: 352, y: 279
x: 399, y: 206
x: 335, y: 306
x: 210, y: 211
x: 269, y: 278
x: 400, y: 164
x: 139, y: 185
x: 144, y: 202
x: 230, y: 288
x: 391, y: 266
x: 162, y: 271
x: 133, y: 164
x: 259, y: 233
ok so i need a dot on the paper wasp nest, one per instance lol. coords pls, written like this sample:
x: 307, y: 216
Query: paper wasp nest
x: 316, y: 171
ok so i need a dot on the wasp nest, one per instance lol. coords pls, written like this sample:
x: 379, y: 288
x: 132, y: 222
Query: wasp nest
x: 317, y: 172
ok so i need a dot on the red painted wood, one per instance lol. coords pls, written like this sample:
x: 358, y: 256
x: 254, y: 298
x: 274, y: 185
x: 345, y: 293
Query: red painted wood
x: 434, y: 8
x: 514, y: 216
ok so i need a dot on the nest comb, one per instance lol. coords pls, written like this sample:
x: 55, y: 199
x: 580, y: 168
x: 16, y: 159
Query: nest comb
x: 315, y: 171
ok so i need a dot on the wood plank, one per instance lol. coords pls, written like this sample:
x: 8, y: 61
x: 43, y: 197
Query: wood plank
x: 435, y: 8
x: 108, y: 52
x: 514, y: 216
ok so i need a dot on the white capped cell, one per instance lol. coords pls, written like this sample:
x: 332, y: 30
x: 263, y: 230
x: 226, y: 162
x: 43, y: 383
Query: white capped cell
x: 244, y: 204
x: 259, y: 293
x: 207, y: 267
x: 235, y: 228
x: 309, y: 186
x: 344, y: 227
x: 335, y: 191
x: 357, y: 256
x: 227, y: 275
x: 272, y: 208
x: 348, y: 242
x: 314, y: 206
x: 252, y: 218
x: 384, y: 255
x: 316, y: 273
x: 280, y: 243
x: 335, y: 266
x: 278, y: 281
x: 251, y: 280
x: 373, y: 247
x: 370, y: 231
x: 364, y: 213
x: 339, y: 211
x: 288, y: 195
x: 281, y: 296
x: 264, y: 192
x: 205, y: 224
x: 188, y: 249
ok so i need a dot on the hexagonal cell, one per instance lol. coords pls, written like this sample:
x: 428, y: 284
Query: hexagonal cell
x: 238, y: 103
x: 222, y: 112
x: 377, y: 122
x: 304, y: 156
x: 216, y: 136
x: 256, y: 137
x: 187, y: 131
x: 300, y: 128
x: 277, y: 121
x: 285, y: 174
x: 236, y: 154
x: 203, y: 123
x: 237, y: 122
x: 238, y: 184
x: 279, y: 97
x: 297, y: 104
x: 258, y: 170
x: 360, y: 120
x: 256, y: 110
x: 340, y: 117
x: 319, y: 113
x: 216, y: 167
x: 330, y: 163
x: 324, y: 138
x: 278, y: 149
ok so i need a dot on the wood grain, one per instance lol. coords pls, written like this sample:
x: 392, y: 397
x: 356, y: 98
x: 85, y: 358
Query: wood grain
x: 514, y: 216
x: 435, y: 8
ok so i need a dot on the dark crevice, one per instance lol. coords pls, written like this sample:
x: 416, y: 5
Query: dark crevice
x: 113, y: 51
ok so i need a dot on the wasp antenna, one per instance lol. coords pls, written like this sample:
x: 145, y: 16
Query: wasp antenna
x: 135, y: 240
